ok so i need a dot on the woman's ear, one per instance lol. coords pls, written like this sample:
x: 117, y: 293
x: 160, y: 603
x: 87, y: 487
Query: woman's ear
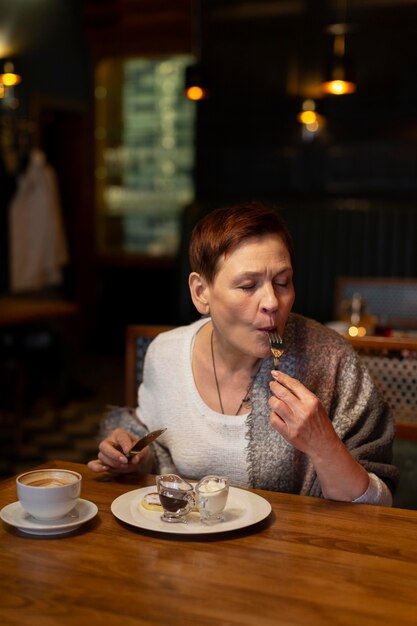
x: 199, y: 293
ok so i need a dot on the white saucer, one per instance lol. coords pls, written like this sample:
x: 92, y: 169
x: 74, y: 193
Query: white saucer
x: 16, y: 516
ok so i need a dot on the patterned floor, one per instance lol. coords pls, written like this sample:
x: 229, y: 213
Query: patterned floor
x: 65, y: 431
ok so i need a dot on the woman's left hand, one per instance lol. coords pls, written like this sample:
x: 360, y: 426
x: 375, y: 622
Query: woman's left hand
x: 298, y: 415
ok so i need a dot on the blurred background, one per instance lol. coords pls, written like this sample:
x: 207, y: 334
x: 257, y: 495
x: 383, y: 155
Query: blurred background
x: 94, y: 116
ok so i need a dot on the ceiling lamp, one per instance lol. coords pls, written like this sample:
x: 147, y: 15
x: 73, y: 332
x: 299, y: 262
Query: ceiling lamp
x: 8, y: 81
x: 339, y: 76
x: 195, y: 82
x: 195, y: 85
x: 8, y: 77
x: 312, y: 122
x: 308, y: 115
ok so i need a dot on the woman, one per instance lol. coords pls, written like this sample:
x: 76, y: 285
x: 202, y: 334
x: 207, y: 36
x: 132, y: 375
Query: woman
x: 314, y: 425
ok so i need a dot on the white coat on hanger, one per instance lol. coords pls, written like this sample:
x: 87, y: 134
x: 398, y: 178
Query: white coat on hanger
x: 38, y: 247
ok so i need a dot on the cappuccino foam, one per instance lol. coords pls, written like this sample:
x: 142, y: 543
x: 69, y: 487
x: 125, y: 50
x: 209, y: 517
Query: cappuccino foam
x: 49, y: 481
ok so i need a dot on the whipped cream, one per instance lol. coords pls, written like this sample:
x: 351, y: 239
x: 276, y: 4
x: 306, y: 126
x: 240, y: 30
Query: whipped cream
x: 211, y: 486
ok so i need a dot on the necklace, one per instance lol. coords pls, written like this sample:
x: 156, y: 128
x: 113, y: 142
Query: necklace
x: 246, y: 400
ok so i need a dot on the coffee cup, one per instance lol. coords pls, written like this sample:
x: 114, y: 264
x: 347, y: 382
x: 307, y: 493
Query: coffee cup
x: 212, y: 493
x: 48, y: 494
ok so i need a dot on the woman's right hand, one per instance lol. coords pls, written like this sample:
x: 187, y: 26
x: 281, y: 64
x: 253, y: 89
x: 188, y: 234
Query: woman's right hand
x: 110, y: 457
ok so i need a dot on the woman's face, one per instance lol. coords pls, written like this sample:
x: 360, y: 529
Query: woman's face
x: 252, y: 293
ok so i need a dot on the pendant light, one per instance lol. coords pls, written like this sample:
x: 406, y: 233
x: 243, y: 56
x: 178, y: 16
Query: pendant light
x: 9, y: 78
x: 195, y: 84
x: 339, y: 74
x: 339, y: 77
x: 311, y: 121
x: 195, y: 80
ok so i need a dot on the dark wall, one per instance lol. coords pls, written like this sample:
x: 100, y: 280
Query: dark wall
x: 350, y: 239
x: 349, y: 196
x: 260, y: 69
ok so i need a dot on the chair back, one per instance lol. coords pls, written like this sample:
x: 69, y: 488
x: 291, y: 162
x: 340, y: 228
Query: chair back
x: 137, y: 340
x: 392, y: 300
x: 392, y: 363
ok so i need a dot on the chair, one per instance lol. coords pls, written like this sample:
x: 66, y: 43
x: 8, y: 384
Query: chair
x: 137, y: 339
x: 392, y: 363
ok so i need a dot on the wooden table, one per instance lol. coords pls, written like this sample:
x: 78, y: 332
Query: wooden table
x: 312, y: 562
x: 19, y: 310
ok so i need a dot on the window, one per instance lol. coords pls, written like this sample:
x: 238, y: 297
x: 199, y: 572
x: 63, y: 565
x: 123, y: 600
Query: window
x: 144, y: 135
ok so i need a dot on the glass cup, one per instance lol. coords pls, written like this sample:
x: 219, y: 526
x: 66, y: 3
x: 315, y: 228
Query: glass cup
x: 176, y: 496
x: 212, y: 493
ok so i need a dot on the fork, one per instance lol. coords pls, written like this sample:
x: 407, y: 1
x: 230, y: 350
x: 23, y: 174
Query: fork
x: 276, y: 344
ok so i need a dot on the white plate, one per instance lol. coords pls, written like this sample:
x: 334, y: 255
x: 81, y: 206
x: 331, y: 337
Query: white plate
x: 243, y: 508
x: 16, y: 516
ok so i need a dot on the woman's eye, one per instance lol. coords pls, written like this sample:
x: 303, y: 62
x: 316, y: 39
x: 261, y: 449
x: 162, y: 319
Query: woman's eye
x: 247, y: 287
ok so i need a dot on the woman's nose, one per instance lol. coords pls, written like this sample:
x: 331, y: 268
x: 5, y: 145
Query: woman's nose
x: 270, y: 300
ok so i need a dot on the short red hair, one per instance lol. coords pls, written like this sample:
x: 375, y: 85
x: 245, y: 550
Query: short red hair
x: 221, y: 230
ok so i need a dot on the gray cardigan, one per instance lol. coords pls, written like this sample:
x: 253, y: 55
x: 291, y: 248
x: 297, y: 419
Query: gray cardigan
x: 327, y: 365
